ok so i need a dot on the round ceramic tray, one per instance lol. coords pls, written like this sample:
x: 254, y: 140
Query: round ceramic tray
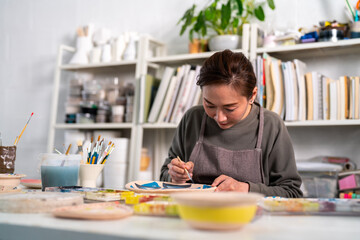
x: 95, y: 211
x: 38, y: 202
x: 167, y: 187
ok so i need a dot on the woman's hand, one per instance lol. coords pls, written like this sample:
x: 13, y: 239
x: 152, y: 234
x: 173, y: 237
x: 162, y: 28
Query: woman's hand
x: 177, y: 171
x: 226, y: 183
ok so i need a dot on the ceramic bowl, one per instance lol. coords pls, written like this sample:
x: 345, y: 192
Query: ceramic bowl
x: 218, y: 210
x: 9, y: 182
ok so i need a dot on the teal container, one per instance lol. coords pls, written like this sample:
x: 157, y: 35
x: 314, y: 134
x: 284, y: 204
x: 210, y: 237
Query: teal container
x: 58, y: 170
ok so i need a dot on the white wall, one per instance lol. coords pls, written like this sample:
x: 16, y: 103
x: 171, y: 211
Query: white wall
x: 32, y: 30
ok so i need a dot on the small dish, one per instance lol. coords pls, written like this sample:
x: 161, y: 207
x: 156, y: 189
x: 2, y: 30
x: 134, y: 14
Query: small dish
x: 217, y: 211
x: 9, y: 182
x: 167, y: 187
x: 31, y: 183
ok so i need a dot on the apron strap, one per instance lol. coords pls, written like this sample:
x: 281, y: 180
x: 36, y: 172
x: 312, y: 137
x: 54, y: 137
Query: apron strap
x: 202, y: 129
x: 261, y: 127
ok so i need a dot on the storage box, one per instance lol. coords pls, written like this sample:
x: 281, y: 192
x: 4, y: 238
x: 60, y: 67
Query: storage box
x: 349, y: 182
x: 319, y: 184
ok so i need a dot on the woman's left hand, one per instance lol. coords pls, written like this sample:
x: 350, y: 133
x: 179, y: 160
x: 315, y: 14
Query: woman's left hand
x: 226, y: 183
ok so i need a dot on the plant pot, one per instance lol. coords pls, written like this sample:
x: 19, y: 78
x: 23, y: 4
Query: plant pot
x: 222, y: 42
x: 198, y: 46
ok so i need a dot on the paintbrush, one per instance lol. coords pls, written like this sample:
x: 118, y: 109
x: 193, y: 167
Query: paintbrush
x: 17, y: 139
x: 80, y: 150
x: 66, y: 153
x: 187, y: 172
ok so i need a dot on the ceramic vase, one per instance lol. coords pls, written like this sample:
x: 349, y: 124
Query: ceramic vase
x: 222, y: 42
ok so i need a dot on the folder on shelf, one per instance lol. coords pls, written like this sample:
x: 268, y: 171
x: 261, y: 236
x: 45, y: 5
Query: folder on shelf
x: 160, y: 95
x: 300, y: 69
x: 309, y: 97
x: 166, y: 105
x: 269, y: 85
x: 276, y: 76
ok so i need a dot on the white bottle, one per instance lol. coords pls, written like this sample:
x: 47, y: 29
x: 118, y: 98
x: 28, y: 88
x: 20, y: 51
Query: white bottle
x: 130, y: 51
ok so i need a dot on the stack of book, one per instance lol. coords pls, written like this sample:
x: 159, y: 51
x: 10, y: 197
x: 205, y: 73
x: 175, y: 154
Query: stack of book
x: 297, y: 95
x: 167, y: 100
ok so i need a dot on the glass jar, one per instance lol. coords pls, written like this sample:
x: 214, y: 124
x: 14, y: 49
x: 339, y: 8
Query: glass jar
x: 144, y: 160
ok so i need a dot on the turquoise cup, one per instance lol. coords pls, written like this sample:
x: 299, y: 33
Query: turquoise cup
x: 59, y: 170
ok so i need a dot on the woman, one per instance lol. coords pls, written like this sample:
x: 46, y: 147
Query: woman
x: 231, y: 142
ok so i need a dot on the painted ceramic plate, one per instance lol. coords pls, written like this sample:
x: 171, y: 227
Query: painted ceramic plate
x: 95, y: 211
x: 31, y: 183
x: 167, y: 187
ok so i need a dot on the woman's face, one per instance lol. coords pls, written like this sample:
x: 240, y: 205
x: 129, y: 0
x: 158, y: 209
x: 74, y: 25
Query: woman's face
x: 225, y: 105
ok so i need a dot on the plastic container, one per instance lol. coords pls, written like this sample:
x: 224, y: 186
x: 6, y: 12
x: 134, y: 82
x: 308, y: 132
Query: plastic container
x: 59, y: 170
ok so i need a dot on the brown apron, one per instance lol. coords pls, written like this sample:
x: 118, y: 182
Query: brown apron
x: 211, y: 161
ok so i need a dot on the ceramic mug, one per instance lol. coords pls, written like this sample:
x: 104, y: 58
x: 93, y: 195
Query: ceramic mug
x: 89, y: 173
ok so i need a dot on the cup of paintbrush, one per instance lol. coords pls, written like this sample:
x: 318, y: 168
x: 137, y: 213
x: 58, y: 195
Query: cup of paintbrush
x: 187, y: 172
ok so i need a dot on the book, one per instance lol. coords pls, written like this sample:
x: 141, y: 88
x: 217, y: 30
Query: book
x: 151, y: 84
x: 166, y: 105
x: 194, y: 89
x: 357, y: 94
x: 179, y: 76
x: 309, y: 96
x: 287, y: 91
x: 179, y: 93
x: 300, y: 69
x: 269, y: 85
x: 295, y: 112
x: 184, y: 97
x: 276, y: 75
x: 333, y: 100
x: 160, y: 95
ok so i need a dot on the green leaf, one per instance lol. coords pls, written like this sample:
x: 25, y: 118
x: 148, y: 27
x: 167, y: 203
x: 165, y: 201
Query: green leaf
x: 225, y: 15
x: 259, y: 13
x: 240, y: 7
x: 235, y: 23
x: 271, y: 4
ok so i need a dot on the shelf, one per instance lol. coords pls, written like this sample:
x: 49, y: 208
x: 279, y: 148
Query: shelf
x: 159, y: 125
x: 320, y: 123
x: 93, y: 126
x: 183, y: 58
x: 317, y: 49
x: 74, y: 67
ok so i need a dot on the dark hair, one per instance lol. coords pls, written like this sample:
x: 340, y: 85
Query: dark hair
x: 228, y: 68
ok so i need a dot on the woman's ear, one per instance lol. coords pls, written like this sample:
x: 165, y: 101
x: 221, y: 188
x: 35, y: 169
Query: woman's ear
x: 252, y: 99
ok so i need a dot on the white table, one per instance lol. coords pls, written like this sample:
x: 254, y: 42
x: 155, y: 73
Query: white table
x: 45, y: 226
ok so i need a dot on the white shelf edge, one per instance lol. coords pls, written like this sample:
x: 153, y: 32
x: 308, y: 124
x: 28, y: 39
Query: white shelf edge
x: 305, y: 46
x: 320, y: 123
x: 93, y: 125
x: 159, y: 125
x: 98, y: 65
x: 184, y: 57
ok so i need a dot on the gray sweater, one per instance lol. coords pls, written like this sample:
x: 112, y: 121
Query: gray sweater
x: 280, y: 173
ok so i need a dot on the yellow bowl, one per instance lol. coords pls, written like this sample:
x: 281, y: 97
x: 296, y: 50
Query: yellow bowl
x: 217, y: 211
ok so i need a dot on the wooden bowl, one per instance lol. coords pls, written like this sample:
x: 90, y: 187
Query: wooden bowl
x: 218, y: 210
x: 8, y: 182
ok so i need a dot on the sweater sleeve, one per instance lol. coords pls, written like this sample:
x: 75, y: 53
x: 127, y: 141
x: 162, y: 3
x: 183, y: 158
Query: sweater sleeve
x: 284, y: 180
x: 176, y: 149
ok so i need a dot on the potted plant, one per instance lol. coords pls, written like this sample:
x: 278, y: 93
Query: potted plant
x: 223, y: 20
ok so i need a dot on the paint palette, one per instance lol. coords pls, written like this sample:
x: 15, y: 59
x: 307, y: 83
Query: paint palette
x: 311, y: 206
x: 95, y: 211
x: 167, y: 187
x: 156, y: 208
